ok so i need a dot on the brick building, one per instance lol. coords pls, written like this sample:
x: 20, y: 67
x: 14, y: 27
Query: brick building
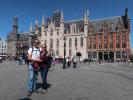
x: 108, y: 38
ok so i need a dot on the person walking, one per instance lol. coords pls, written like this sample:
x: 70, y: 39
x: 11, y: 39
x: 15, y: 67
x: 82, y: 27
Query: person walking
x: 74, y: 62
x: 33, y: 67
x: 0, y: 59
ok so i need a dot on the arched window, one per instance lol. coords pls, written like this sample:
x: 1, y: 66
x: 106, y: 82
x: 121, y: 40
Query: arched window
x: 94, y: 55
x: 51, y: 43
x: 118, y: 54
x: 117, y: 44
x: 75, y: 42
x: 70, y: 42
x: 57, y: 32
x: 70, y: 53
x: 45, y: 33
x: 81, y: 41
x: 124, y: 54
x: 89, y: 55
x: 117, y: 36
x: 51, y: 31
x: 45, y: 42
x: 57, y: 43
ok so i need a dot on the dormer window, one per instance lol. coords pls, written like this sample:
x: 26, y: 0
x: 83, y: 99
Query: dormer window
x: 51, y: 31
x: 57, y: 32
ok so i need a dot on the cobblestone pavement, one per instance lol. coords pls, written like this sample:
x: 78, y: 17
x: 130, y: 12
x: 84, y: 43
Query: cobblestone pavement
x: 105, y: 81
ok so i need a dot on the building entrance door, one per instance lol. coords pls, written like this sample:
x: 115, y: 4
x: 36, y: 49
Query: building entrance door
x: 100, y: 55
x: 105, y: 55
x: 111, y: 56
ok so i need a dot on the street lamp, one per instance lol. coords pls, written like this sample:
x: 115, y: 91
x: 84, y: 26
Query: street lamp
x: 64, y: 60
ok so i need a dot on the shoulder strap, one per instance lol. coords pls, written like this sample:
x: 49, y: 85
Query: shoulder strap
x: 32, y: 49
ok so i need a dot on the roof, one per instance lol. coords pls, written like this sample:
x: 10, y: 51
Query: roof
x: 110, y: 23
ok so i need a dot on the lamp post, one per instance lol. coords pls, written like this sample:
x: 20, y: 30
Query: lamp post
x: 64, y: 60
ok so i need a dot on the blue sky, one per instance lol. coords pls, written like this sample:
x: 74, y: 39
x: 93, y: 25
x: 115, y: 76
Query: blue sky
x: 30, y: 10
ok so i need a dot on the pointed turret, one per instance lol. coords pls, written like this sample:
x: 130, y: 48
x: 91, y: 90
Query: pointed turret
x: 86, y: 17
x: 43, y: 21
x: 36, y: 27
x: 86, y: 22
x: 31, y: 28
x: 62, y: 22
x: 87, y: 13
x: 43, y: 24
x: 62, y: 17
x: 36, y: 22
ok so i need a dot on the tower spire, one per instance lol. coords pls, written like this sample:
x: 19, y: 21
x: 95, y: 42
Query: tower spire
x: 36, y: 22
x: 43, y: 21
x: 31, y: 29
x: 87, y: 13
x: 86, y: 17
x: 62, y: 17
x: 43, y: 24
x: 15, y: 24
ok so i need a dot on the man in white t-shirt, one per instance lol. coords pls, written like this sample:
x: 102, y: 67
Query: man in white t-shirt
x: 34, y: 60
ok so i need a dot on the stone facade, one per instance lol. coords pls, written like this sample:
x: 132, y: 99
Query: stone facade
x: 104, y: 39
x: 56, y: 33
x: 17, y: 42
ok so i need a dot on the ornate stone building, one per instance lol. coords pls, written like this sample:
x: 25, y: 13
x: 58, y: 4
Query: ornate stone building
x: 17, y: 42
x: 58, y: 35
x: 103, y: 39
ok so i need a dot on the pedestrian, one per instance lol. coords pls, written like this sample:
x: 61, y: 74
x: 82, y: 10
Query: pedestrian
x: 128, y: 61
x: 20, y: 59
x: 50, y: 60
x: 99, y: 61
x: 26, y: 59
x: 67, y: 61
x: 44, y: 67
x: 0, y: 59
x: 33, y: 67
x: 74, y: 62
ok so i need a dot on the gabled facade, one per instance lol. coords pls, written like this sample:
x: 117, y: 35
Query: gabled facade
x: 100, y: 39
x: 17, y: 42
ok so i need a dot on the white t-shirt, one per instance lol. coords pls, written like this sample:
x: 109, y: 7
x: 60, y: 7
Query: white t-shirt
x: 67, y: 60
x: 75, y: 59
x: 35, y: 52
